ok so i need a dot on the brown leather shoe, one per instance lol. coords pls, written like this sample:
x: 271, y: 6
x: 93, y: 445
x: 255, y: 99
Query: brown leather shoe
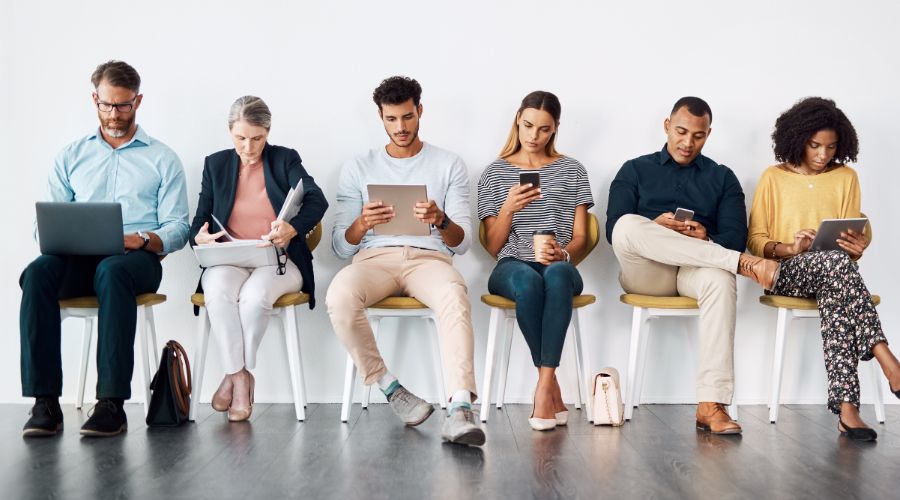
x: 760, y: 270
x: 713, y: 418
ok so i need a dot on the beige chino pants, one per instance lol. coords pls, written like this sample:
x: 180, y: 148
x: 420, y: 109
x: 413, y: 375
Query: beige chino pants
x: 661, y: 262
x: 427, y: 275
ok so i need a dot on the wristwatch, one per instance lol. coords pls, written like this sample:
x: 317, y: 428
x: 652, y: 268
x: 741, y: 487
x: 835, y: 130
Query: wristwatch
x: 144, y: 236
x: 444, y: 223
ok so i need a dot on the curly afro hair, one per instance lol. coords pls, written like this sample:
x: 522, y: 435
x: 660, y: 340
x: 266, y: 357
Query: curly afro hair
x: 796, y: 126
x: 397, y: 90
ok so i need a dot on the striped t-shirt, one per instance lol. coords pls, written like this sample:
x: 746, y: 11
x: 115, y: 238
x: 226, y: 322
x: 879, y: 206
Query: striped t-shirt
x: 564, y: 186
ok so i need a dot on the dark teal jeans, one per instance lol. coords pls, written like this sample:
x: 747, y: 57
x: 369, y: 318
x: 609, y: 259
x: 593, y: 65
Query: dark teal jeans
x: 543, y: 296
x: 116, y: 281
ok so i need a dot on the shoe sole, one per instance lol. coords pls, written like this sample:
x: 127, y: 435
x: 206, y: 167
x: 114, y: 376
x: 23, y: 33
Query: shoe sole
x: 37, y: 432
x: 471, y: 438
x: 413, y: 424
x: 90, y: 433
x: 726, y: 432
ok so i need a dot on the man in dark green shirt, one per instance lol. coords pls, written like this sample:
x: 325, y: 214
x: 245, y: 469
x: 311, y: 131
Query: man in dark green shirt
x: 695, y: 255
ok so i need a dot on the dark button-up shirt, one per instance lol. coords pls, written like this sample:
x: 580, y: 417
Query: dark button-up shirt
x: 653, y: 184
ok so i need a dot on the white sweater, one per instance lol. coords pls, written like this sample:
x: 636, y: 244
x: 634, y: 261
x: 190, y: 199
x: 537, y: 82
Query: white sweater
x: 443, y: 173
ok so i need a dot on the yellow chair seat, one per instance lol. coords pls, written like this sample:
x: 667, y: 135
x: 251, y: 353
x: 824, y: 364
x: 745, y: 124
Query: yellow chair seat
x: 649, y: 301
x: 399, y: 303
x: 144, y: 299
x: 286, y: 300
x: 797, y: 302
x: 504, y: 303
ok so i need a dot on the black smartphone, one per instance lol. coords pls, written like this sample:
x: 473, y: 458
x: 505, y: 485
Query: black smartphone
x: 533, y: 178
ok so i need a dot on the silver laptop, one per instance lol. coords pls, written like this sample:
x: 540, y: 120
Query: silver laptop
x: 80, y: 228
x: 403, y: 198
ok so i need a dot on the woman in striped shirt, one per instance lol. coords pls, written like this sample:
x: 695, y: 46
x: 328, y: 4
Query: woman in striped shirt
x: 542, y: 281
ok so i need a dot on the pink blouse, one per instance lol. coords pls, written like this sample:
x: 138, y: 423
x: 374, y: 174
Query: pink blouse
x: 252, y: 213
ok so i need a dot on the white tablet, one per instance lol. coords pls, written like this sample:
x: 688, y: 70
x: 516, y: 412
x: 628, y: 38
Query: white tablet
x: 830, y: 230
x: 403, y: 198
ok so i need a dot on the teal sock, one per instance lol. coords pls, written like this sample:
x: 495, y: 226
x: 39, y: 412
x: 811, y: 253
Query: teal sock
x: 391, y: 388
x: 455, y: 405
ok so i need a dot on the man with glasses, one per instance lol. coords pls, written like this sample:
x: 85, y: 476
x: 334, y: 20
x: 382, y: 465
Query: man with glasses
x: 117, y: 163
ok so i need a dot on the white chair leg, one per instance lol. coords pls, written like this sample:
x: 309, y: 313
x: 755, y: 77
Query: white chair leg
x: 778, y: 363
x: 288, y: 316
x: 199, y: 362
x: 642, y: 358
x: 877, y: 378
x: 154, y: 346
x: 375, y: 321
x: 437, y: 362
x: 508, y: 333
x: 303, y: 394
x: 631, y: 389
x: 86, y: 335
x: 349, y: 382
x: 145, y: 364
x: 579, y: 364
x: 490, y: 354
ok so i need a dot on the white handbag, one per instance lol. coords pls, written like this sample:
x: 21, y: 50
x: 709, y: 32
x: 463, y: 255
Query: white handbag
x: 608, y: 407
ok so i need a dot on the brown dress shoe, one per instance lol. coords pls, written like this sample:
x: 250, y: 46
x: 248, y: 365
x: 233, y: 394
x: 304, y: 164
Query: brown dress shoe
x: 713, y: 418
x: 760, y: 270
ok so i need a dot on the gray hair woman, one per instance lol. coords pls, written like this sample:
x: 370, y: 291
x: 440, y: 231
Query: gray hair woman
x: 245, y: 187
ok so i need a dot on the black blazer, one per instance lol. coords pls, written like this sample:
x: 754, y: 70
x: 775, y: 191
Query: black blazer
x: 282, y: 169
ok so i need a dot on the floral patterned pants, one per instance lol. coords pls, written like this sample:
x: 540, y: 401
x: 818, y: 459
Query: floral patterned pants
x: 850, y: 324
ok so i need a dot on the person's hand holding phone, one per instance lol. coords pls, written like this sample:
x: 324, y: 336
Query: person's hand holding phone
x: 519, y: 196
x: 375, y: 213
x: 668, y: 220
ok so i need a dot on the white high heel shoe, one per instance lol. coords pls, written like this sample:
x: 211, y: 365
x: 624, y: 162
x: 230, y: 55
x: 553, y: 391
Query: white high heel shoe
x: 541, y: 424
x: 562, y: 417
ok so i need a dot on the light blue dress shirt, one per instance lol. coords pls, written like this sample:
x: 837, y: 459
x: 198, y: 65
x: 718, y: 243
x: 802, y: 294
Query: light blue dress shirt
x: 144, y: 175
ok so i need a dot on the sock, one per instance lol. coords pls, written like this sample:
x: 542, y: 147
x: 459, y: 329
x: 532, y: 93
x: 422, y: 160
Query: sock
x: 388, y: 383
x: 461, y: 399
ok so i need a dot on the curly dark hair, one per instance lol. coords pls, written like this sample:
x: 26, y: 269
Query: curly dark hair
x: 397, y: 90
x: 796, y: 126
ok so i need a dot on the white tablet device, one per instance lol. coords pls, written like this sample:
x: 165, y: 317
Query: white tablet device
x: 830, y: 230
x: 403, y: 197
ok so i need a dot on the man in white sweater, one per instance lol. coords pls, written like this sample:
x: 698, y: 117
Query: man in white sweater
x: 417, y: 266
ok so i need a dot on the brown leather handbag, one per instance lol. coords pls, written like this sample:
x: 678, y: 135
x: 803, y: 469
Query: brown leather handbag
x: 171, y: 399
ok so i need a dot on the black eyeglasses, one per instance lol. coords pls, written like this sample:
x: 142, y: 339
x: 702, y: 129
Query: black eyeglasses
x: 122, y: 107
x: 281, y: 255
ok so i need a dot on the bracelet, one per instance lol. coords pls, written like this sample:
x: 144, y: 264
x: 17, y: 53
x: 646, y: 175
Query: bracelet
x: 774, y: 256
x: 566, y: 253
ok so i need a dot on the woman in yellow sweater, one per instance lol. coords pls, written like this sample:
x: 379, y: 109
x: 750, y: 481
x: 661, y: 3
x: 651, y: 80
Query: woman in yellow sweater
x: 813, y: 141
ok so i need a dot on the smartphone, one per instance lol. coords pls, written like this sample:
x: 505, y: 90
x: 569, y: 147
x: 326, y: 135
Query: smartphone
x: 533, y: 178
x: 683, y: 214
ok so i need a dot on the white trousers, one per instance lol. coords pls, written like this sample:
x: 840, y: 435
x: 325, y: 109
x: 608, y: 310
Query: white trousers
x: 239, y: 303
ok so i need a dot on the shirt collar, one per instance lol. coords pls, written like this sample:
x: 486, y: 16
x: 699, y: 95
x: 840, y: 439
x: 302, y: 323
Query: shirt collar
x: 665, y: 157
x: 140, y: 138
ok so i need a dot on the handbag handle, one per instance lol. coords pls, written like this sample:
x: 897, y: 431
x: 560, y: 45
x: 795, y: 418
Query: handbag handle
x: 180, y: 375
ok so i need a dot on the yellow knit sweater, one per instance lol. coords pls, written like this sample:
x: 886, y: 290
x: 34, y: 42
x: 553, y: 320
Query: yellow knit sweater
x: 786, y: 202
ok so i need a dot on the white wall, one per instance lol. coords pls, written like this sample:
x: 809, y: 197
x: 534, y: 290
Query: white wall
x: 617, y: 68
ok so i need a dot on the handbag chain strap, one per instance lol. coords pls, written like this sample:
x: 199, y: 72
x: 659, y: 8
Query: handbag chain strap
x: 605, y: 386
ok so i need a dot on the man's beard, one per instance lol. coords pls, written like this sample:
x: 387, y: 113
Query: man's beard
x: 412, y: 138
x: 119, y: 131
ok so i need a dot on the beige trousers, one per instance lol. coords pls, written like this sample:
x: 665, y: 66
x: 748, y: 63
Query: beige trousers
x: 661, y: 262
x: 427, y: 275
